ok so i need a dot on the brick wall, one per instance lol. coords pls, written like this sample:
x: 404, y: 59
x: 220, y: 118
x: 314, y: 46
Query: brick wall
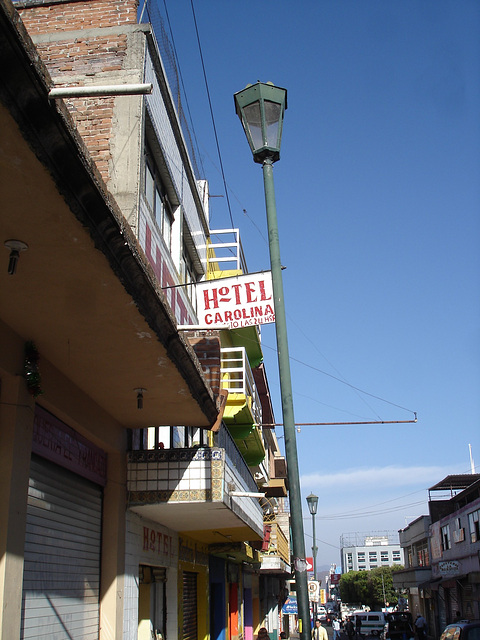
x: 206, y: 345
x: 71, y: 15
x: 76, y: 60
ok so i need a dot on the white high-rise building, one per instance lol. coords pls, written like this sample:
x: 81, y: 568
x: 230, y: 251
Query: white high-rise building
x: 362, y: 552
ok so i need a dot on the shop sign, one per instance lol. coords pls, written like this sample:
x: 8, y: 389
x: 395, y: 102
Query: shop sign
x: 59, y: 443
x: 290, y: 607
x: 240, y: 301
x: 449, y: 568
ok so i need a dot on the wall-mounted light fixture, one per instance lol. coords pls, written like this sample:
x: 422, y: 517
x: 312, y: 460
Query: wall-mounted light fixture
x: 15, y: 247
x: 139, y: 391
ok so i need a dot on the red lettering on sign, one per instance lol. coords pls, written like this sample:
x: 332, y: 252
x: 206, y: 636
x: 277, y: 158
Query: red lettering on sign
x: 250, y: 288
x: 263, y: 295
x: 157, y: 542
x: 236, y: 288
x: 214, y: 299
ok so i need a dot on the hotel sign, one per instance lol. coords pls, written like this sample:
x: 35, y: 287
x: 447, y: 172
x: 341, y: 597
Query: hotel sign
x: 240, y: 301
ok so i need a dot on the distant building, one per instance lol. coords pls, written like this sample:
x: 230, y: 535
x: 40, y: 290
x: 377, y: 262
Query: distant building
x: 362, y: 552
x: 442, y: 551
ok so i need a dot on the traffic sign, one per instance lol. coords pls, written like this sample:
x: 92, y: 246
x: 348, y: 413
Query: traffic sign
x: 313, y: 590
x: 309, y: 562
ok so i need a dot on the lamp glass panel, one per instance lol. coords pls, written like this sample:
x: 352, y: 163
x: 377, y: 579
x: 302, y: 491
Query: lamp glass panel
x: 253, y: 120
x: 312, y: 501
x: 272, y: 121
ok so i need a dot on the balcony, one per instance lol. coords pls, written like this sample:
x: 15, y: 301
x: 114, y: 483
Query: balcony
x: 225, y: 255
x: 243, y: 411
x: 189, y: 491
x: 243, y: 399
x: 276, y: 549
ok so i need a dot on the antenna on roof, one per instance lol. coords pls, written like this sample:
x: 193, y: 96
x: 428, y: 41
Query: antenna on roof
x: 472, y: 464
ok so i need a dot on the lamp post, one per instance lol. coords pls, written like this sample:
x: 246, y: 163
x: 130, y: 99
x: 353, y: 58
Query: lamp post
x: 312, y: 501
x: 260, y: 108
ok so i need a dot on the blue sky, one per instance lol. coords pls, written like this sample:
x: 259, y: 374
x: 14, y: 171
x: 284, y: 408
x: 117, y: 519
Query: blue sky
x: 378, y: 201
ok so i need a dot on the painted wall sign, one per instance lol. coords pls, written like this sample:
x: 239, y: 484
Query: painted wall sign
x: 158, y: 542
x: 449, y: 568
x: 240, y: 301
x: 59, y: 443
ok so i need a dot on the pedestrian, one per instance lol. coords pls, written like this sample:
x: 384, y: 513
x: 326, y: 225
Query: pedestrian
x: 263, y: 634
x: 358, y: 626
x: 336, y: 628
x: 421, y: 627
x: 458, y: 616
x: 319, y: 632
x: 349, y: 628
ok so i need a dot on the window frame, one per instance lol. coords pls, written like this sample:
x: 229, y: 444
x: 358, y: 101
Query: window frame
x: 445, y: 537
x: 156, y: 198
x: 474, y: 525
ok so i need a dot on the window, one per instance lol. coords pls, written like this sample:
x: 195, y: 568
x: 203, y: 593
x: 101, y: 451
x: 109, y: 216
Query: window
x: 473, y: 522
x: 156, y: 198
x: 423, y: 559
x: 372, y: 556
x: 396, y: 556
x: 384, y: 556
x: 446, y: 543
x: 188, y: 273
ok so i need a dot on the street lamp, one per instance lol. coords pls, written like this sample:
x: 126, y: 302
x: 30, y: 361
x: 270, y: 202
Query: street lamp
x: 260, y: 108
x: 312, y: 501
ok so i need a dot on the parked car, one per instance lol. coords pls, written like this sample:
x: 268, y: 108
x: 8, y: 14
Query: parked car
x: 322, y: 614
x: 462, y: 630
x: 373, y: 622
x: 399, y: 626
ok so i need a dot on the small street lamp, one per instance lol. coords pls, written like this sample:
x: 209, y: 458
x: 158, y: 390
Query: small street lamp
x: 261, y: 108
x: 312, y: 501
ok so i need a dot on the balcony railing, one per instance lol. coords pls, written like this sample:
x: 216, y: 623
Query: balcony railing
x: 224, y: 440
x: 237, y: 377
x: 227, y: 250
x: 278, y: 543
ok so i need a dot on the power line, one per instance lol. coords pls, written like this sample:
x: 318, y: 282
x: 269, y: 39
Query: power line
x: 325, y: 373
x: 211, y: 114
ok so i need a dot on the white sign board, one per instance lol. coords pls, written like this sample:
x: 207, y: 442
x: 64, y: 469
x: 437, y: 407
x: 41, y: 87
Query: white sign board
x: 240, y: 301
x: 313, y: 590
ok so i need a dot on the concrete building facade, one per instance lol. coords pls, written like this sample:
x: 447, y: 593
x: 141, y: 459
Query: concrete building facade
x: 442, y: 572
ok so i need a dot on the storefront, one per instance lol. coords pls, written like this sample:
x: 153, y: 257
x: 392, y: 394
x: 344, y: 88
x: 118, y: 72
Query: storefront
x: 193, y: 589
x: 61, y: 578
x: 150, y: 580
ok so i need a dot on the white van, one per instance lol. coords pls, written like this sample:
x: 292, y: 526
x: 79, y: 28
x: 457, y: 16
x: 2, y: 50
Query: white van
x: 373, y: 622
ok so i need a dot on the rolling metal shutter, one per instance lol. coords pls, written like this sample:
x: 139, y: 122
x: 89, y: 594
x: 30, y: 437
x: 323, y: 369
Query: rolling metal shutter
x: 62, y: 555
x: 189, y: 605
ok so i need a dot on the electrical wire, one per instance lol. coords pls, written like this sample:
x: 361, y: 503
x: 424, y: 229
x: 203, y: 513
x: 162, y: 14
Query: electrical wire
x: 325, y: 373
x: 211, y: 114
x: 183, y: 85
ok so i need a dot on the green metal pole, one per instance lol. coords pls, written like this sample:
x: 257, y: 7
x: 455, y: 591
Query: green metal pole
x: 314, y: 551
x: 298, y: 540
